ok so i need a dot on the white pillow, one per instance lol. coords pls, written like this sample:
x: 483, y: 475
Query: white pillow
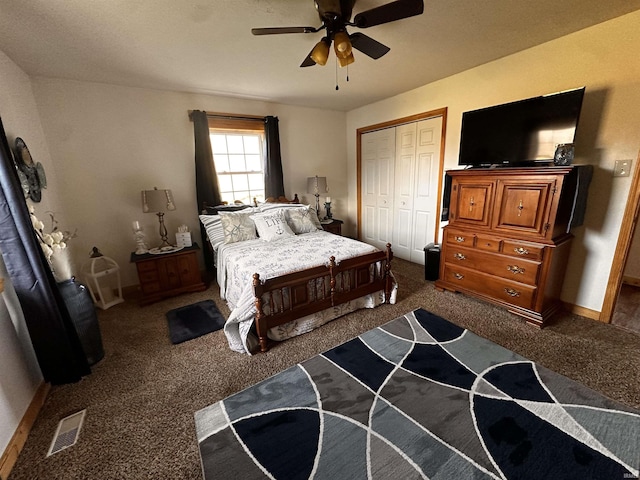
x: 272, y: 225
x: 237, y: 226
x: 301, y: 219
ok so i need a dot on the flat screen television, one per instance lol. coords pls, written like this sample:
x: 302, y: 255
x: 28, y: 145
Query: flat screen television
x: 525, y: 132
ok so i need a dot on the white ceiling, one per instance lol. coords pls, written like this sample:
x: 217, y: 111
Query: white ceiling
x: 206, y: 46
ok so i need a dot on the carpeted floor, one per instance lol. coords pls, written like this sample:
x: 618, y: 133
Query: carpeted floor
x: 141, y: 397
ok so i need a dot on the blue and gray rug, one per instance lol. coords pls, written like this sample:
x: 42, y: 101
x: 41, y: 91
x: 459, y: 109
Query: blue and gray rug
x: 418, y: 398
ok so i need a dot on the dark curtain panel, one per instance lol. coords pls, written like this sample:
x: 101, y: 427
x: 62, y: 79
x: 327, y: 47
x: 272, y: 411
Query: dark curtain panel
x: 53, y: 335
x: 207, y: 189
x: 273, y: 179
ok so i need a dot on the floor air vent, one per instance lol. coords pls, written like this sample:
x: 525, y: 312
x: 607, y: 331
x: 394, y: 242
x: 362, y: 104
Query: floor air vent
x: 67, y: 432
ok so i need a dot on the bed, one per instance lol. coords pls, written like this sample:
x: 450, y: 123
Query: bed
x: 282, y: 275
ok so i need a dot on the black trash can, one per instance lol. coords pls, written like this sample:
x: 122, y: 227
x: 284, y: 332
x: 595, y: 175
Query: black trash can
x: 432, y: 262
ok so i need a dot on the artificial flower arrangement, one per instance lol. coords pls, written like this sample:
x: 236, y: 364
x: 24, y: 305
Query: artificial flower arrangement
x: 54, y: 245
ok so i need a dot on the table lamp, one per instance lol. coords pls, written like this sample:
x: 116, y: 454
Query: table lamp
x: 317, y: 185
x: 158, y: 201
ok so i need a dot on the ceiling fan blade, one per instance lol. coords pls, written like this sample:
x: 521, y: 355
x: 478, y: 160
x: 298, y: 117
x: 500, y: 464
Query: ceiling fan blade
x: 278, y: 30
x: 389, y: 12
x: 368, y: 45
x: 308, y: 62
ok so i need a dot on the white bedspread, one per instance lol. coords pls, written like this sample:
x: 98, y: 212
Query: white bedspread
x: 237, y: 262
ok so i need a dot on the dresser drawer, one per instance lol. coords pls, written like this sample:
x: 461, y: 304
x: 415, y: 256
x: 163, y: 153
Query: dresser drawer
x: 498, y: 288
x: 489, y: 244
x: 516, y: 269
x: 459, y: 238
x: 522, y: 250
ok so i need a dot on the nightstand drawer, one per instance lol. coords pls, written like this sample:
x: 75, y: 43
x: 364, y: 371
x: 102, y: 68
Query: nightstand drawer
x: 148, y: 266
x: 334, y: 227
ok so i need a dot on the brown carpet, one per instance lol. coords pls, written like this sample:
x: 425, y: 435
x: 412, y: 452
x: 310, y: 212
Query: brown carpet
x: 141, y: 397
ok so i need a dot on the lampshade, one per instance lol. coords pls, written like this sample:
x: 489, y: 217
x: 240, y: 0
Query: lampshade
x: 320, y: 52
x: 346, y: 61
x: 316, y: 185
x: 342, y: 44
x: 154, y: 201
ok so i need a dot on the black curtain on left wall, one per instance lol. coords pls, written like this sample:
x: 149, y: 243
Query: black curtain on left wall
x: 207, y: 188
x: 53, y: 335
x: 273, y: 178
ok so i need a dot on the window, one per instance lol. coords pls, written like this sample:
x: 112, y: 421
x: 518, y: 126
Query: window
x: 238, y: 152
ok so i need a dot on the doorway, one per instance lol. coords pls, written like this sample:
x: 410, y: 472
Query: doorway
x: 621, y: 255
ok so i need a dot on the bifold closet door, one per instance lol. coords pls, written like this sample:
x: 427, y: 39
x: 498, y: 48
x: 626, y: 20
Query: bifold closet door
x: 377, y: 167
x: 417, y: 164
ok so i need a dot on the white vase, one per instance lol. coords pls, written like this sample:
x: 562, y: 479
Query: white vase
x: 61, y: 265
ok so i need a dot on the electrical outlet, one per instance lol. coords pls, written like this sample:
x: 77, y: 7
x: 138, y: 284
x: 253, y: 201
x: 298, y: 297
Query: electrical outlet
x: 622, y: 168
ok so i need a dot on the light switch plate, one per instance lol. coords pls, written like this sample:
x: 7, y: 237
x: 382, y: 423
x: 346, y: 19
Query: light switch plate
x: 622, y: 168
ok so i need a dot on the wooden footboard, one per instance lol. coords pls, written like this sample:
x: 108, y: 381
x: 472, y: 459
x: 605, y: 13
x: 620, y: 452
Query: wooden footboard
x: 288, y: 297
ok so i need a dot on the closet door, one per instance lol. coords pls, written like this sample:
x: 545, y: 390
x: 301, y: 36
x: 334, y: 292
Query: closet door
x: 425, y: 186
x: 377, y: 160
x: 404, y: 190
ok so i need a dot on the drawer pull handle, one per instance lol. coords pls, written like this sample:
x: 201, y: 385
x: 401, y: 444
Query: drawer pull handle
x: 511, y: 292
x: 459, y: 239
x: 515, y: 269
x: 458, y: 276
x: 521, y: 251
x: 459, y: 256
x: 520, y: 207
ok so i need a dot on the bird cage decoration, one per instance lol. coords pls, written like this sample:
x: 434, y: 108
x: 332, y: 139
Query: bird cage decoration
x: 102, y: 276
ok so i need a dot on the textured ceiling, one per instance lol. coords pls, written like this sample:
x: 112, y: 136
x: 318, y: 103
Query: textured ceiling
x: 206, y: 46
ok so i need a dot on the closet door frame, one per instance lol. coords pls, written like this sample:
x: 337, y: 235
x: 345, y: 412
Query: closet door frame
x: 441, y: 112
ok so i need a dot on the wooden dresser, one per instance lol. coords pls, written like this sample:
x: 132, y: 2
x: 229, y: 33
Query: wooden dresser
x: 508, y: 240
x: 168, y: 274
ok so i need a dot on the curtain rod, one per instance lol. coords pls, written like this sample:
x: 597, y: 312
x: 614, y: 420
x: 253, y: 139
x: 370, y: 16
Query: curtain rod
x: 229, y: 116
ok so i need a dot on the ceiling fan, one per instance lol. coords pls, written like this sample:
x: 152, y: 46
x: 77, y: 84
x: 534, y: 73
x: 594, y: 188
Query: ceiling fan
x: 335, y: 16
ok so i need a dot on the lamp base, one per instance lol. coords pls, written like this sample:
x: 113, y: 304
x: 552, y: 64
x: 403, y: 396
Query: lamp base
x: 163, y: 232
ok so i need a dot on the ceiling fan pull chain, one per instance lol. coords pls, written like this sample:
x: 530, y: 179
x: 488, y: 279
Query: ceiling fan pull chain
x: 337, y: 88
x: 347, y: 73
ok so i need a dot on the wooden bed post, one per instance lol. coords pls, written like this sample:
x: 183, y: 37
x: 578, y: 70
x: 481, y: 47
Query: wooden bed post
x: 387, y: 275
x: 332, y: 279
x: 261, y: 327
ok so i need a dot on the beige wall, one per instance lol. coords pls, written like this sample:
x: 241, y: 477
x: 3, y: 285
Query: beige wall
x: 603, y: 59
x: 19, y: 374
x: 109, y: 142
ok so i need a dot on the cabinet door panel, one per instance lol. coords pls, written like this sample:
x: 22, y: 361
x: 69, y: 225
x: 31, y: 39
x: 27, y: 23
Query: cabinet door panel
x: 188, y: 270
x: 523, y: 207
x: 471, y: 203
x: 169, y: 273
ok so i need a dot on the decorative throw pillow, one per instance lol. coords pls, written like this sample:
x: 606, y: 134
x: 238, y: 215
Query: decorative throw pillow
x: 237, y: 226
x: 272, y: 225
x: 299, y: 219
x: 313, y: 215
x: 213, y: 227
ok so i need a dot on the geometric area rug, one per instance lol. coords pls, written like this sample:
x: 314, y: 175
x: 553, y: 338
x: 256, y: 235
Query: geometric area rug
x: 418, y: 397
x: 192, y: 321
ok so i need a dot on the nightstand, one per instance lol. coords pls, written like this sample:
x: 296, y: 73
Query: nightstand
x: 168, y: 274
x: 334, y: 227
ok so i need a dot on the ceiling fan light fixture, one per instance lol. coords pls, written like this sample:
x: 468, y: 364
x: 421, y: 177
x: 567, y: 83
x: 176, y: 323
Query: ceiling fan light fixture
x: 343, y: 62
x: 342, y: 44
x: 320, y: 52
